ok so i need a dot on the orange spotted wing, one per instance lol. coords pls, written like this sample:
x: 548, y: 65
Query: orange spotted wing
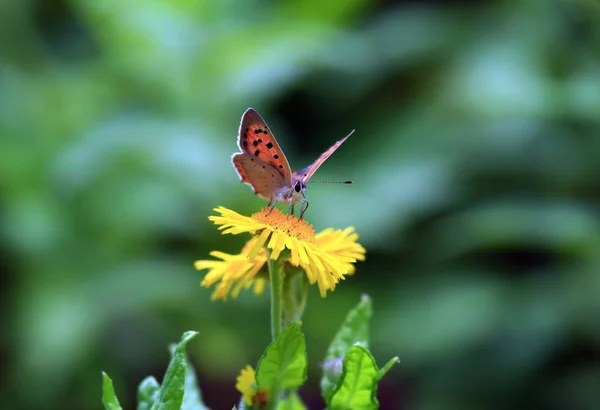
x: 256, y: 139
x: 261, y: 164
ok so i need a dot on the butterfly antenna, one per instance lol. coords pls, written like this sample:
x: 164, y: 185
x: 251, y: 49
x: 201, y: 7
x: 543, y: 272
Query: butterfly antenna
x: 337, y: 182
x: 333, y: 182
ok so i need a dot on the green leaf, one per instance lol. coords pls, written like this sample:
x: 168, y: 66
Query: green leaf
x: 355, y: 329
x: 148, y: 391
x: 291, y: 402
x: 109, y: 399
x: 284, y: 363
x: 357, y: 386
x: 388, y: 366
x: 192, y: 396
x: 172, y: 389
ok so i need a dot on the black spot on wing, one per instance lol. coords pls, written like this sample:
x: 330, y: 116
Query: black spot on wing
x: 269, y: 145
x: 256, y: 153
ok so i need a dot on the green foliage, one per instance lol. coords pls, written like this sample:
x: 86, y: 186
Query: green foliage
x: 284, y: 363
x: 291, y: 402
x: 357, y: 386
x: 282, y: 368
x: 354, y: 329
x: 192, y: 396
x: 109, y: 398
x: 386, y: 368
x: 170, y: 396
x: 179, y: 390
x: 148, y: 392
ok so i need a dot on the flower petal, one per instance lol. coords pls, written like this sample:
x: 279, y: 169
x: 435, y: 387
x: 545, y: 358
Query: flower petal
x: 326, y: 257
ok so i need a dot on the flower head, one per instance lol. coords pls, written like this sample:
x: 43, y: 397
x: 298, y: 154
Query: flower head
x: 246, y: 384
x: 326, y: 257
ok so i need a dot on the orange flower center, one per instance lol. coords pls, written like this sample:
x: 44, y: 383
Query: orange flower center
x: 289, y: 224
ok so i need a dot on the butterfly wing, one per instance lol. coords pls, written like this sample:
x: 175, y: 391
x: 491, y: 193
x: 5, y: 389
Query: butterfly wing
x: 261, y: 176
x: 305, y: 174
x: 256, y: 139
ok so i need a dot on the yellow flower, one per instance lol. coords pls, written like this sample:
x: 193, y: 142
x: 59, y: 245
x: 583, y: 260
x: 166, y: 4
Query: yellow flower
x: 342, y: 243
x: 235, y: 271
x: 326, y: 257
x: 245, y: 384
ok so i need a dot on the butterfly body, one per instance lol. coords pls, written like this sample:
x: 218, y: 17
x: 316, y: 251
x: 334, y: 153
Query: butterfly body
x: 263, y: 165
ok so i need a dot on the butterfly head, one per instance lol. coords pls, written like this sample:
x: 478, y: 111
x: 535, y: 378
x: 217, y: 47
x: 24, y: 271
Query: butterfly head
x: 298, y: 188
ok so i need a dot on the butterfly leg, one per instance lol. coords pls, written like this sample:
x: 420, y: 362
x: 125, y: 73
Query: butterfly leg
x: 271, y: 205
x: 304, y: 206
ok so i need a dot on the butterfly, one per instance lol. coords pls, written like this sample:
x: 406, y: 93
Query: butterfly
x: 263, y: 165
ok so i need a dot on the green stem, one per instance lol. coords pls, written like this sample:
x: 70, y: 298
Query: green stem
x: 276, y: 296
x: 295, y: 291
x: 275, y: 274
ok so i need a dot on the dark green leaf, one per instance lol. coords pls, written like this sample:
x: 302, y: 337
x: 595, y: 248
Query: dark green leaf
x: 148, y: 391
x: 284, y: 363
x: 172, y: 389
x: 357, y: 386
x: 109, y: 399
x: 192, y: 397
x: 355, y: 329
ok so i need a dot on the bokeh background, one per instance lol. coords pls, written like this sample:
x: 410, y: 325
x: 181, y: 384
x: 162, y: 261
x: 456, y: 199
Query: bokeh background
x: 476, y: 162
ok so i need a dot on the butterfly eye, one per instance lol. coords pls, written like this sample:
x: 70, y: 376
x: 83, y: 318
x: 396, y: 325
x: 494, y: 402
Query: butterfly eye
x: 297, y: 187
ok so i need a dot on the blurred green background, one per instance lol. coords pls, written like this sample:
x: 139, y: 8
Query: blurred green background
x: 476, y: 162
